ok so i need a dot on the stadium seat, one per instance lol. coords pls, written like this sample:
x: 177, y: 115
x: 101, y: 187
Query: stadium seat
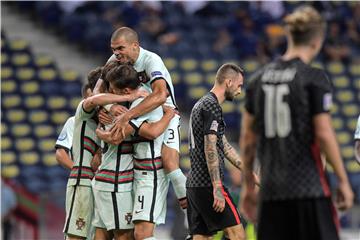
x: 343, y: 137
x: 353, y: 167
x: 44, y: 61
x: 24, y: 144
x: 21, y: 60
x: 10, y: 171
x: 34, y: 101
x: 74, y: 102
x: 185, y: 163
x: 210, y: 65
x: 49, y: 159
x: 38, y: 116
x: 8, y: 86
x: 250, y: 66
x: 70, y: 76
x: 345, y: 96
x: 70, y: 89
x: 354, y: 70
x: 171, y: 64
x: 210, y: 78
x: 25, y: 73
x: 175, y: 77
x: 56, y: 102
x: 197, y: 92
x: 228, y: 107
x: 341, y: 82
x: 335, y: 68
x: 11, y: 101
x: 338, y: 123
x: 350, y: 110
x: 184, y: 148
x: 6, y: 143
x: 6, y: 72
x: 47, y: 74
x: 20, y: 130
x: 19, y: 46
x: 46, y: 144
x: 15, y: 115
x: 356, y: 84
x: 30, y: 87
x: 5, y: 61
x: 193, y: 78
x: 44, y: 131
x: 59, y: 117
x: 4, y: 128
x: 347, y: 151
x: 351, y: 124
x: 7, y: 157
x: 188, y: 64
x: 29, y: 158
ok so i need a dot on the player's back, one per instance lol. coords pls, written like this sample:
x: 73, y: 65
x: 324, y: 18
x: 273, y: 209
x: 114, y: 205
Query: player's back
x: 284, y: 96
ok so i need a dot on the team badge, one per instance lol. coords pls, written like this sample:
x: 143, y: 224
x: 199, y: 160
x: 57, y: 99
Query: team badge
x: 62, y: 136
x: 327, y: 101
x: 80, y: 223
x: 128, y: 218
x: 214, y: 126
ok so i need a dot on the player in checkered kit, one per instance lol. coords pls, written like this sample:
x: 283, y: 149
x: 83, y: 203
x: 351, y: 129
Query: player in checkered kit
x: 210, y: 207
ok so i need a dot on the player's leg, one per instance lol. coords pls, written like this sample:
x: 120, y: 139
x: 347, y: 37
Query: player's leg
x: 102, y: 234
x: 143, y: 230
x: 202, y: 237
x: 127, y: 234
x: 236, y: 232
x: 170, y: 156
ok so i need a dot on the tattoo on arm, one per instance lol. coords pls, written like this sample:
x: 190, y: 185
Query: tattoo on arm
x: 212, y: 158
x: 231, y: 154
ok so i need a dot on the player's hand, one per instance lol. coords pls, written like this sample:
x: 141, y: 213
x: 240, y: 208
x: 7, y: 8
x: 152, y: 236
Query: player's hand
x: 117, y: 110
x: 96, y: 161
x: 344, y: 197
x: 118, y: 130
x: 138, y: 94
x: 248, y: 203
x: 104, y: 117
x: 168, y: 111
x: 219, y: 199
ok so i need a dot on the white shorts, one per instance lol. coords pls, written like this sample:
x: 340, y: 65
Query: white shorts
x: 172, y: 133
x: 150, y: 200
x: 113, y: 210
x: 79, y: 210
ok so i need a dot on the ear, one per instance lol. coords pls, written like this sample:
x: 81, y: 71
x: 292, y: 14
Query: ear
x: 228, y: 82
x: 126, y: 91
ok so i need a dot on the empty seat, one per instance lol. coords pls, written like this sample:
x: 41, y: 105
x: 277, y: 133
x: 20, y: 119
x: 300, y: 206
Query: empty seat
x: 351, y: 124
x: 354, y: 69
x: 343, y: 137
x: 345, y: 96
x: 228, y: 107
x: 20, y: 130
x: 47, y: 74
x: 70, y: 75
x: 175, y: 77
x: 29, y: 158
x: 341, y: 81
x: 59, y: 117
x: 338, y: 123
x: 5, y: 59
x: 193, y: 78
x: 49, y: 159
x: 353, y: 167
x: 209, y: 65
x: 6, y: 143
x: 19, y: 45
x: 4, y: 128
x: 8, y: 86
x: 44, y: 61
x: 74, y: 102
x: 350, y: 110
x: 30, y: 87
x: 6, y: 72
x: 185, y: 163
x: 347, y: 151
x: 189, y: 64
x: 11, y: 101
x: 7, y: 157
x: 197, y: 92
x: 34, y: 101
x: 25, y: 73
x: 16, y: 115
x: 250, y: 66
x: 46, y: 144
x: 38, y: 116
x: 56, y: 102
x: 24, y: 144
x: 210, y: 78
x: 21, y: 60
x: 170, y: 63
x: 335, y: 68
x: 44, y: 130
x: 11, y: 171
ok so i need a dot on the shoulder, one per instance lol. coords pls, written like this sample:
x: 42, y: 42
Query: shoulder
x: 150, y: 57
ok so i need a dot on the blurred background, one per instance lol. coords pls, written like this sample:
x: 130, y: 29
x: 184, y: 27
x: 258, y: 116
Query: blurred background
x: 47, y: 48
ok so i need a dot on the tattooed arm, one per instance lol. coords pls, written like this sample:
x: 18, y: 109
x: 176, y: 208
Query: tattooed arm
x: 231, y: 154
x: 212, y: 161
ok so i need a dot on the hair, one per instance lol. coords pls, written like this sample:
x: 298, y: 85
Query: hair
x: 123, y: 76
x: 304, y: 24
x: 92, y: 78
x: 228, y: 70
x: 127, y: 33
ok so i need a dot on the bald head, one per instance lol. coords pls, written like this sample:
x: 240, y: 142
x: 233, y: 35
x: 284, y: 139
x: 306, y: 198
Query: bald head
x: 126, y: 33
x: 228, y: 71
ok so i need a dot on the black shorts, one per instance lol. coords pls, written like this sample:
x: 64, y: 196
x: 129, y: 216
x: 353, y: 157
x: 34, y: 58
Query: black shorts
x: 303, y: 219
x: 201, y: 215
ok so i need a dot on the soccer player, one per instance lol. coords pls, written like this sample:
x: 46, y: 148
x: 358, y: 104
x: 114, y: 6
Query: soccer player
x: 210, y: 206
x: 286, y: 123
x: 64, y: 143
x: 155, y: 76
x: 150, y: 182
x: 79, y: 195
x: 357, y: 141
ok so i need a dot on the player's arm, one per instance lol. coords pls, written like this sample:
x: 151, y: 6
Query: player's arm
x: 212, y: 161
x: 357, y: 150
x: 154, y: 100
x: 325, y: 135
x: 96, y: 160
x: 63, y: 158
x: 231, y: 154
x: 155, y: 129
x: 108, y: 137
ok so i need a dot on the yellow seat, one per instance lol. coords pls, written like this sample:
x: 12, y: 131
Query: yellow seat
x: 11, y: 101
x: 20, y: 59
x: 335, y: 68
x: 337, y: 123
x: 56, y: 102
x: 4, y: 128
x: 353, y: 167
x: 4, y: 58
x: 345, y: 96
x: 46, y: 144
x: 6, y: 72
x: 7, y: 157
x: 24, y: 144
x: 29, y: 158
x: 197, y: 92
x: 189, y: 64
x: 16, y: 115
x: 354, y: 69
x: 11, y: 171
x: 341, y: 81
x: 6, y: 143
x: 357, y: 84
x: 43, y: 60
x: 25, y: 73
x: 334, y: 108
x: 49, y: 159
x: 170, y: 63
x: 351, y: 124
x: 30, y: 87
x: 43, y: 130
x: 20, y: 130
x: 175, y: 77
x: 18, y: 45
x: 184, y: 149
x: 347, y: 152
x: 36, y: 117
x: 228, y: 107
x: 350, y: 110
x: 70, y: 75
x: 8, y: 86
x: 343, y: 137
x: 33, y: 102
x: 59, y: 117
x: 209, y: 65
x: 193, y: 78
x: 74, y: 102
x: 317, y: 64
x: 250, y: 66
x: 183, y: 134
x: 210, y: 78
x: 185, y: 163
x: 47, y: 74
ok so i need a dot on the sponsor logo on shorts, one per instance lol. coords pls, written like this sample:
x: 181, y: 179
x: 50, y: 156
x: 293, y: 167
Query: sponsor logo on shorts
x: 128, y: 218
x: 80, y: 223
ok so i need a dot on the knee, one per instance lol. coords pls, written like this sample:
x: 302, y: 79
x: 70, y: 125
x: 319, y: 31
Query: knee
x: 140, y: 234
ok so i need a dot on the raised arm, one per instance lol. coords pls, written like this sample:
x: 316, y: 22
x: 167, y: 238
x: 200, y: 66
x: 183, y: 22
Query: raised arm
x: 212, y: 161
x: 107, y: 137
x: 231, y: 154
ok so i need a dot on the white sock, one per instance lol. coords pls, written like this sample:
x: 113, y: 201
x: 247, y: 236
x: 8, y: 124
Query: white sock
x: 178, y: 181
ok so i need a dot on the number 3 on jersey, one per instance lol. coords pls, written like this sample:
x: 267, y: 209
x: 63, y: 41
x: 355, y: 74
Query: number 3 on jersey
x: 277, y: 111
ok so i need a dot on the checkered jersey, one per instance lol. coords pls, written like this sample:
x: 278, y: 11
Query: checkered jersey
x: 206, y: 118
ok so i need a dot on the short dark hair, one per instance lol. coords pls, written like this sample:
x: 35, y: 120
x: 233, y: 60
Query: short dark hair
x: 228, y: 70
x: 123, y: 76
x: 92, y: 78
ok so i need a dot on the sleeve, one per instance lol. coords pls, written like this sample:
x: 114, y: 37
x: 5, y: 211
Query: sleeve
x: 357, y: 131
x: 155, y: 69
x: 212, y: 118
x: 320, y: 92
x: 66, y: 136
x: 81, y: 114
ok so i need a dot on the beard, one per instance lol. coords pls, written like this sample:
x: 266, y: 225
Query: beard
x: 229, y: 96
